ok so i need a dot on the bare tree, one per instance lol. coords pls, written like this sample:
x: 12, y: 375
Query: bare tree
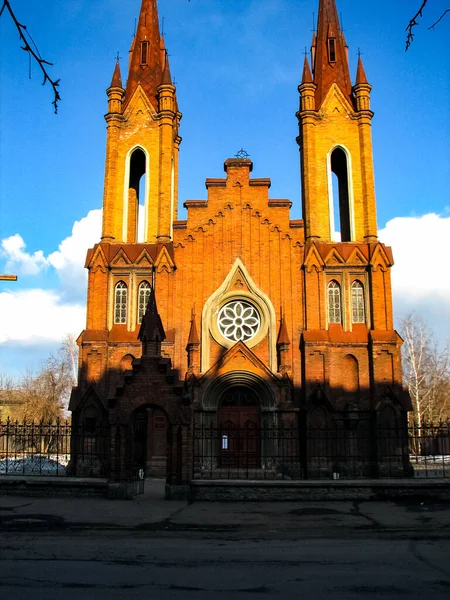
x: 43, y: 396
x: 414, y: 22
x: 69, y: 350
x: 30, y: 47
x: 426, y: 370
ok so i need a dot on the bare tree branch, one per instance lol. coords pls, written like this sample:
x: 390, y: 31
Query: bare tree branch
x: 440, y: 18
x: 34, y: 53
x: 413, y: 22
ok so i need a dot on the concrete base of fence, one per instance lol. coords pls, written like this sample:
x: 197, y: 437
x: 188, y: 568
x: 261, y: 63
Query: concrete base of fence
x: 307, y: 491
x: 22, y: 485
x: 177, y: 492
x: 121, y: 490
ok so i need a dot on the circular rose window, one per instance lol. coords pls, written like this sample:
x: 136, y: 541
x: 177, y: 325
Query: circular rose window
x: 238, y: 321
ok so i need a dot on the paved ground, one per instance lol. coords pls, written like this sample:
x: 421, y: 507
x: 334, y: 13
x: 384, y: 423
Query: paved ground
x: 72, y: 548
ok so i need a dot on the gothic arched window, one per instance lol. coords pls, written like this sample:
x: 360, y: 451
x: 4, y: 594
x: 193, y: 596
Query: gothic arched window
x: 136, y: 194
x: 341, y: 196
x: 334, y: 302
x: 358, y: 312
x: 143, y: 296
x: 120, y: 303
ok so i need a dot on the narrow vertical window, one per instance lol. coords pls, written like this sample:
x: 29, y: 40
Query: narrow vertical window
x: 136, y: 195
x: 341, y: 197
x: 358, y: 313
x: 144, y: 53
x: 331, y: 50
x: 334, y: 302
x: 120, y: 303
x: 143, y: 296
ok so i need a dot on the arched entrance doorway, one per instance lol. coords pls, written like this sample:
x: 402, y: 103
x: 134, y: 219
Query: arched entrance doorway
x: 149, y: 441
x: 239, y: 422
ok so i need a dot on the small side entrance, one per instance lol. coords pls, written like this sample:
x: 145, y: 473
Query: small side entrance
x: 239, y: 421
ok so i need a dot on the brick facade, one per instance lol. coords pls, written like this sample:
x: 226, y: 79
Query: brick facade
x: 238, y: 244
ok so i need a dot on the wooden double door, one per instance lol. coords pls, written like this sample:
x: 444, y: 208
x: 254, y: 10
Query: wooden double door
x: 239, y: 421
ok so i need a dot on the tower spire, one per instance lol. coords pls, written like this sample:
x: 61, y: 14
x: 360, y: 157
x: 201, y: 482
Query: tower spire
x: 330, y: 56
x: 146, y: 64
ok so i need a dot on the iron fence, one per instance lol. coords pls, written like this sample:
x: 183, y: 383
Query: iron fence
x: 54, y: 449
x: 338, y: 449
x: 246, y: 452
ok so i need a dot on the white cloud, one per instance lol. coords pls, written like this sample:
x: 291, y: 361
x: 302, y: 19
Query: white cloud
x: 68, y: 260
x: 420, y: 281
x: 420, y: 246
x: 40, y: 316
x: 20, y: 261
x: 36, y: 316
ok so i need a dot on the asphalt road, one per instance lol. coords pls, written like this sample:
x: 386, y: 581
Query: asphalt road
x: 110, y: 566
x: 93, y: 548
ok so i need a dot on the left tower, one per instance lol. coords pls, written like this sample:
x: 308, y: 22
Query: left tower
x: 142, y: 142
x: 139, y: 208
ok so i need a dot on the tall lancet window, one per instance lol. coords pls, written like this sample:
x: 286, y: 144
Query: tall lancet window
x: 143, y: 296
x: 136, y: 195
x: 340, y: 195
x: 144, y: 53
x: 120, y: 303
x: 334, y: 302
x: 358, y: 312
x: 331, y: 50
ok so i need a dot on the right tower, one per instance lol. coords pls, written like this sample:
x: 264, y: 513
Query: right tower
x: 351, y: 354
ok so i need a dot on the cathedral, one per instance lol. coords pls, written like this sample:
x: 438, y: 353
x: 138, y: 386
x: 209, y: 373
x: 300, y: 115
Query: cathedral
x: 239, y: 343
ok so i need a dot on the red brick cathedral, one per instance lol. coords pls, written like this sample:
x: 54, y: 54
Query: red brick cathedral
x: 239, y: 341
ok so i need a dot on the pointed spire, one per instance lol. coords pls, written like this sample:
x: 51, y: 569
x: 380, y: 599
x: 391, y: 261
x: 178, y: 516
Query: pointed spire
x: 193, y: 333
x: 360, y: 73
x: 117, y: 78
x: 152, y: 329
x: 330, y: 61
x: 283, y: 336
x: 306, y: 77
x: 167, y: 77
x: 146, y: 65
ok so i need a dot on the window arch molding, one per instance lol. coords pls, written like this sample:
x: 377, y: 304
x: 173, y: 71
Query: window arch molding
x: 351, y: 207
x: 358, y: 302
x: 126, y: 187
x: 120, y: 303
x: 143, y: 295
x: 334, y: 302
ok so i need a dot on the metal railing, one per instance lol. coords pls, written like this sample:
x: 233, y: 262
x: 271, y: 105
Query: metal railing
x: 337, y: 449
x: 54, y: 449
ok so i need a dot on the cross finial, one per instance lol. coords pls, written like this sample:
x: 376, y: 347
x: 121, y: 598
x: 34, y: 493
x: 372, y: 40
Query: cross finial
x: 118, y: 57
x: 305, y: 52
x: 242, y: 154
x: 359, y: 53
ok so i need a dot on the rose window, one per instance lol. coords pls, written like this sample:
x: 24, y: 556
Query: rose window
x: 238, y: 321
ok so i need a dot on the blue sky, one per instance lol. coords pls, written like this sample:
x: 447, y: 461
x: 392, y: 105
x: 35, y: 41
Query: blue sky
x: 237, y: 64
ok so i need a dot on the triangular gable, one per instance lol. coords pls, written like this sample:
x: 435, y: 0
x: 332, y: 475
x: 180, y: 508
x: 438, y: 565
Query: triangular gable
x: 97, y: 260
x: 239, y: 282
x: 239, y: 358
x: 164, y: 261
x: 334, y: 258
x: 120, y: 259
x: 313, y: 259
x: 357, y: 258
x: 335, y: 103
x: 139, y: 106
x: 144, y: 259
x: 89, y: 398
x: 380, y: 258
